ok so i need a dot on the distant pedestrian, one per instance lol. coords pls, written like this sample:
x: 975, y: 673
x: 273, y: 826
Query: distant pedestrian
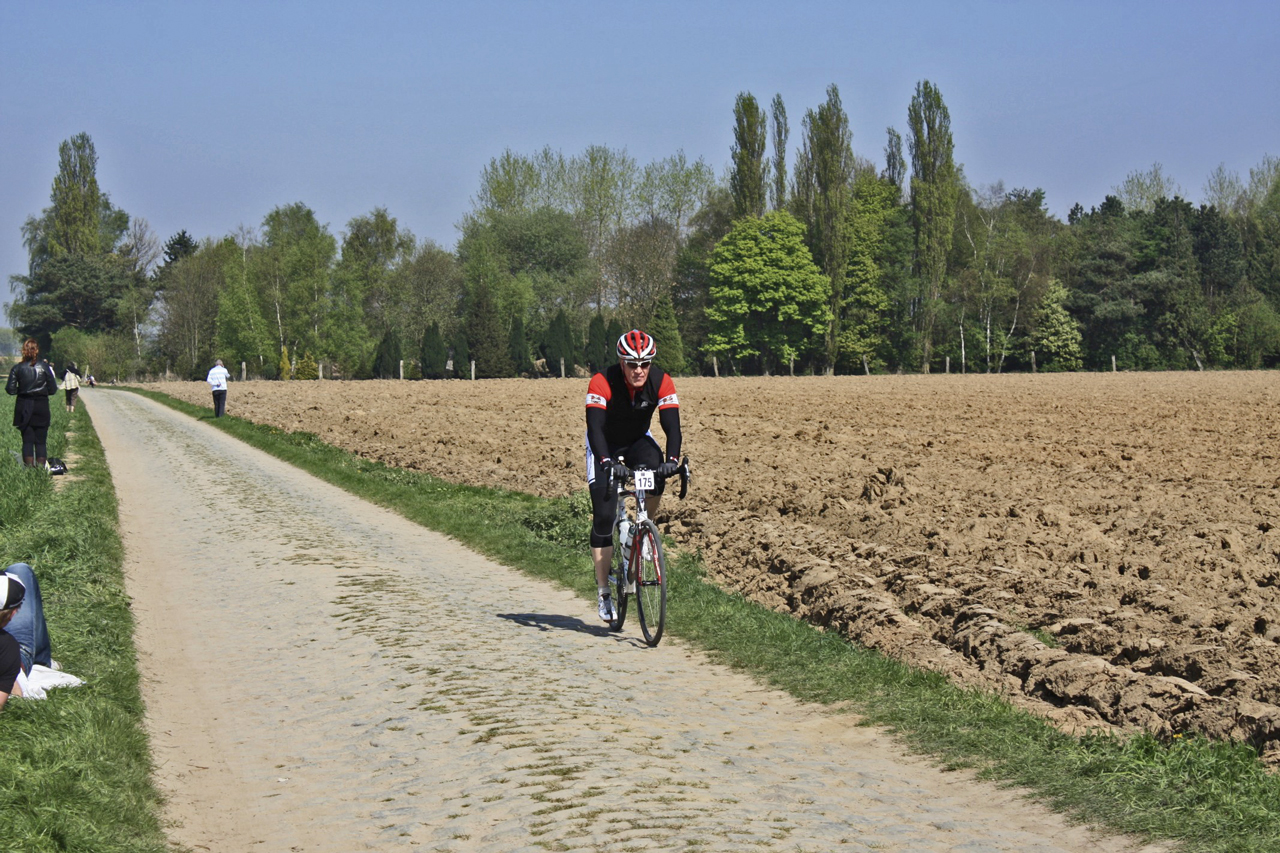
x: 217, y: 380
x: 71, y: 385
x: 33, y: 382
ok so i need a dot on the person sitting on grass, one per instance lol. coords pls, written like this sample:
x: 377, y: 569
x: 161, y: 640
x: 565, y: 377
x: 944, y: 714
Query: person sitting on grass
x: 25, y: 653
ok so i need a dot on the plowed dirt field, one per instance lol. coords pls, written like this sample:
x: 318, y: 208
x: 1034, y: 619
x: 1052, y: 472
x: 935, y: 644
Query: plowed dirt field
x: 1102, y: 548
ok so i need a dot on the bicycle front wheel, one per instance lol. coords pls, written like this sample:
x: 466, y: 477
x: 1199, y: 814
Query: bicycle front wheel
x: 651, y: 582
x: 618, y: 578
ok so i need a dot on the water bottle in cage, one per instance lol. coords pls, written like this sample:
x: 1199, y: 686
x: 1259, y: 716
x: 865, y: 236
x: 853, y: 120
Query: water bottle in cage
x: 624, y: 536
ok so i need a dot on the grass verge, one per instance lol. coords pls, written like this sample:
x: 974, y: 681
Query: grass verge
x: 1206, y: 796
x: 76, y: 768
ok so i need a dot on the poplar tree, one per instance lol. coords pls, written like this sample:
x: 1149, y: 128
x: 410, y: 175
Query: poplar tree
x: 895, y: 165
x: 781, y: 132
x: 935, y: 190
x: 74, y: 226
x: 824, y: 173
x: 747, y: 178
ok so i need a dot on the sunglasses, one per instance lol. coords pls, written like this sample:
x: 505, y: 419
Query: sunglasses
x: 638, y: 365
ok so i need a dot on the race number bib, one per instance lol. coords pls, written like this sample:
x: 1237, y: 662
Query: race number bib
x: 644, y: 480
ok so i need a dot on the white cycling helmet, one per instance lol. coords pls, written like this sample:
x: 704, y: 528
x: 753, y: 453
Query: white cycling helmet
x: 635, y: 345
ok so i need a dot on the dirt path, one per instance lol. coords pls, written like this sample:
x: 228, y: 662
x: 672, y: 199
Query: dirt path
x: 322, y: 675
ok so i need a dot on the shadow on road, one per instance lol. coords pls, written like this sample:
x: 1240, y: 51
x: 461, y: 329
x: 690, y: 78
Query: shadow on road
x: 558, y: 622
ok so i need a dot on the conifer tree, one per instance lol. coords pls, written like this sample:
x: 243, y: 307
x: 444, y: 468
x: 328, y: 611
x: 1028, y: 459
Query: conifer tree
x: 598, y: 350
x: 307, y: 368
x: 666, y: 334
x: 461, y: 355
x: 435, y: 355
x: 285, y: 368
x: 518, y: 347
x: 386, y: 359
x: 486, y: 336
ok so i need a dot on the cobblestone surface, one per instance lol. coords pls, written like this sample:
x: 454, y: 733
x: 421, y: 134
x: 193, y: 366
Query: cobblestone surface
x: 322, y: 675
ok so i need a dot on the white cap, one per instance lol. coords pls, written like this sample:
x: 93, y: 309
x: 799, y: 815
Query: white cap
x: 12, y: 591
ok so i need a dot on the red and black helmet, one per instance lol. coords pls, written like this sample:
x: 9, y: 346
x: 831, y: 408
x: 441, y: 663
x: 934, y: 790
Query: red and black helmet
x: 635, y: 345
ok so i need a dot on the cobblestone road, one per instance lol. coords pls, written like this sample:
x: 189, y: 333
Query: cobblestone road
x: 322, y: 675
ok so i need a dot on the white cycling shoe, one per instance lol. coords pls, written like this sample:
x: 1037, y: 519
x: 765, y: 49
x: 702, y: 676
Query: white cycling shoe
x: 607, y: 613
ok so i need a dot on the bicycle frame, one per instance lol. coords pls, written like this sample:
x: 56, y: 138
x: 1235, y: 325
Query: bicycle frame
x: 641, y: 570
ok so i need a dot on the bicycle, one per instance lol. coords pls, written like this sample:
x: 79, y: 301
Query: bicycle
x: 640, y: 567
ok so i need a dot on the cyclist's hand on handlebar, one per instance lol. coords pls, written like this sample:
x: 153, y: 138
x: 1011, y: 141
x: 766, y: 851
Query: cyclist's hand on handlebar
x: 669, y: 468
x: 616, y: 470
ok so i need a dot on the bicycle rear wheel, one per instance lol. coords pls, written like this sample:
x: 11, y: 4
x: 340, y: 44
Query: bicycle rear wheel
x: 651, y: 582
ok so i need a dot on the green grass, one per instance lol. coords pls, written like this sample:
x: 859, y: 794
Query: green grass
x: 75, y: 773
x: 1208, y: 796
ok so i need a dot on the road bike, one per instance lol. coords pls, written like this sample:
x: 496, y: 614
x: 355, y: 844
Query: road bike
x: 639, y: 565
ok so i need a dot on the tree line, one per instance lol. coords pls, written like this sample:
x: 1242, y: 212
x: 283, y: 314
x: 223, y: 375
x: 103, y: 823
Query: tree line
x: 806, y: 260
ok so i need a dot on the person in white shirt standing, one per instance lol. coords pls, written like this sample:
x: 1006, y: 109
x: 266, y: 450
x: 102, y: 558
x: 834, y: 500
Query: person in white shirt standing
x: 217, y: 380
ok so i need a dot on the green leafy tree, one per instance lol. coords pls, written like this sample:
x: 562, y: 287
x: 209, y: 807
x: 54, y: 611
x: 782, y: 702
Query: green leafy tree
x: 1140, y: 190
x: 866, y: 304
x: 188, y: 317
x: 242, y: 333
x: 640, y: 262
x: 691, y: 286
x: 670, y: 190
x: 600, y: 183
x: 487, y: 337
x: 361, y: 294
x: 768, y: 298
x: 435, y: 355
x: 429, y: 289
x: 935, y: 190
x: 747, y: 174
x: 291, y: 273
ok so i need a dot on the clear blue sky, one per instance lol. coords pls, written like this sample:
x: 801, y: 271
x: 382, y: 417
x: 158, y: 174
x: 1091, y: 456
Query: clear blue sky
x: 208, y: 115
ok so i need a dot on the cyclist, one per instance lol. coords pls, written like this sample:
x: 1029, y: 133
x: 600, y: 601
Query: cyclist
x: 621, y: 401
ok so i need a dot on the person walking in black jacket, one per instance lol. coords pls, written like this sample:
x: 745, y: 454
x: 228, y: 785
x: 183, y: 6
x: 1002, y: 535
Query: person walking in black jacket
x: 33, y: 382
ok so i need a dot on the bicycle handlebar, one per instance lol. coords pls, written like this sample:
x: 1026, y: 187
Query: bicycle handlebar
x: 683, y: 471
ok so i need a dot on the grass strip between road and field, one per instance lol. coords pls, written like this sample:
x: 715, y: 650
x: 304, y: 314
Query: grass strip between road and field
x: 1208, y: 796
x: 76, y: 773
